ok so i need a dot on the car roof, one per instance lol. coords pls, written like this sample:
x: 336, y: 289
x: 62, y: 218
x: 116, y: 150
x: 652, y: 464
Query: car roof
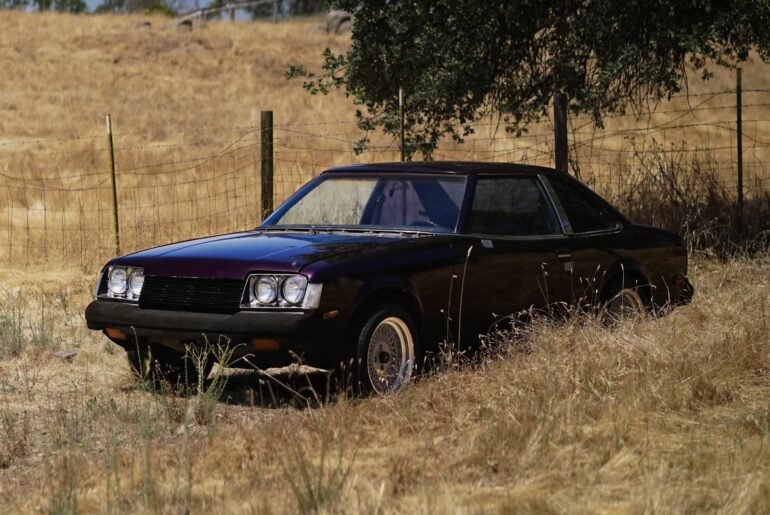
x: 453, y: 167
x: 466, y: 168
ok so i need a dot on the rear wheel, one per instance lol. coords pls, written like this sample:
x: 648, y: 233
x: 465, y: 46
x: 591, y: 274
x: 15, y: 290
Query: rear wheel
x: 386, y: 351
x: 623, y: 301
x: 159, y: 365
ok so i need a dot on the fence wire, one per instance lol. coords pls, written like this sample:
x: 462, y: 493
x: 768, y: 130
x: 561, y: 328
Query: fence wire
x: 56, y: 193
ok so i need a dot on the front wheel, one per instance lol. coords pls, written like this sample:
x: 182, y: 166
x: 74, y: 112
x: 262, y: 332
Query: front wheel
x: 387, y: 351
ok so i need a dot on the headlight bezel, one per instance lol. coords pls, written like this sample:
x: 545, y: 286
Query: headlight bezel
x: 309, y: 299
x: 128, y: 293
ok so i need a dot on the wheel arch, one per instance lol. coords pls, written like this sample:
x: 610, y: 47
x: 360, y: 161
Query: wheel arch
x: 388, y: 291
x: 630, y: 272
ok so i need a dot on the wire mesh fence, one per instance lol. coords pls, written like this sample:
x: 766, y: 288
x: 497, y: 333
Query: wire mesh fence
x: 184, y: 183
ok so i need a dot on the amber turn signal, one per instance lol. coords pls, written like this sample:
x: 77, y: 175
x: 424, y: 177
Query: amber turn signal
x: 264, y: 344
x: 329, y: 315
x: 115, y: 333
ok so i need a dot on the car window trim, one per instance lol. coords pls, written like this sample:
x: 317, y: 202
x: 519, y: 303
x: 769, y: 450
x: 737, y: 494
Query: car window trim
x: 484, y: 236
x: 471, y: 192
x: 561, y: 212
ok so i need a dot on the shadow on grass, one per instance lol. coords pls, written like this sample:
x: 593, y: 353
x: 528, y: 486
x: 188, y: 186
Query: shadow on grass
x: 258, y: 389
x: 278, y: 388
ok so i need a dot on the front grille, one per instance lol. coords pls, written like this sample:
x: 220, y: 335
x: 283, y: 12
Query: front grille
x: 191, y: 294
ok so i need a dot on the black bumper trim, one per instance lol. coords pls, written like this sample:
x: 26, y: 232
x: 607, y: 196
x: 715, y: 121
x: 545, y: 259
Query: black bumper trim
x: 103, y: 314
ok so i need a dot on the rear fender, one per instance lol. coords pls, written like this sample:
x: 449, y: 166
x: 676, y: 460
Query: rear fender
x: 632, y: 273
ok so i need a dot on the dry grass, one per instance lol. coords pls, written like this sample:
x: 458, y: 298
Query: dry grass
x: 63, y: 74
x: 664, y: 415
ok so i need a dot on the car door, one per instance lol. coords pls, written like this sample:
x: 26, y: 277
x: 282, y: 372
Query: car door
x: 512, y: 240
x: 594, y: 231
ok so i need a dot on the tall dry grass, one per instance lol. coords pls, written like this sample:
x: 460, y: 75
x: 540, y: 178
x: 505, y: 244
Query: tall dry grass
x: 658, y: 415
x: 684, y: 192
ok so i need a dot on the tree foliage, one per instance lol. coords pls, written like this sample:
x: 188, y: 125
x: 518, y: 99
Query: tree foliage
x: 166, y: 7
x: 288, y: 8
x: 13, y: 4
x: 458, y: 61
x: 68, y: 6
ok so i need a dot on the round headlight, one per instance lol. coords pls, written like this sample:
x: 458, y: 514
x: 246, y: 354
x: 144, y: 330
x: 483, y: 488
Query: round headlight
x: 266, y: 289
x: 117, y: 281
x: 294, y: 289
x: 136, y: 281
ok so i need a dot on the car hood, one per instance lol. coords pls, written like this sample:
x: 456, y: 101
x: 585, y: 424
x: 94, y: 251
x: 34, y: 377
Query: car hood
x: 235, y: 256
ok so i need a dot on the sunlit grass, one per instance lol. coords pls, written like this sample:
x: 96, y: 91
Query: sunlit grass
x: 664, y: 414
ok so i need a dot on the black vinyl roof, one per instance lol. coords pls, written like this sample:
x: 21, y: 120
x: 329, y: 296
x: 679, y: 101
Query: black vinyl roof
x: 460, y: 167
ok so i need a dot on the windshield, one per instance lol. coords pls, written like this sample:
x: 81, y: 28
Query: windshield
x: 392, y: 201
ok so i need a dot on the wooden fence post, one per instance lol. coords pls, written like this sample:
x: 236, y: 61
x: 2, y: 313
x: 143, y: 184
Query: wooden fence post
x: 114, y: 187
x: 401, y: 122
x: 561, y: 151
x: 739, y: 113
x: 266, y: 128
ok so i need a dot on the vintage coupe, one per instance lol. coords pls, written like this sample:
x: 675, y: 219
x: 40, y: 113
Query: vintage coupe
x: 374, y: 266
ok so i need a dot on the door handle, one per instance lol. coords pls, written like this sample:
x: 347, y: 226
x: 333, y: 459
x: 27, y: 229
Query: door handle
x: 563, y: 256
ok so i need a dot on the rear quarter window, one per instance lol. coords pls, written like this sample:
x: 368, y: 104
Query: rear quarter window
x: 585, y: 213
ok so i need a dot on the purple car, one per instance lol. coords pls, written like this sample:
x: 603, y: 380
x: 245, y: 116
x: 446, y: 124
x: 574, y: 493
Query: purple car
x: 370, y: 268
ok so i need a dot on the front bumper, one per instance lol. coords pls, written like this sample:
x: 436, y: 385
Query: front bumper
x: 290, y: 332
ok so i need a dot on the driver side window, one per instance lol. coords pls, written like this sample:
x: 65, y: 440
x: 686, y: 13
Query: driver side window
x: 511, y: 206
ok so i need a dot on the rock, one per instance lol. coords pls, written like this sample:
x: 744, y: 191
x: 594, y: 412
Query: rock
x: 184, y: 26
x: 338, y: 22
x: 65, y: 355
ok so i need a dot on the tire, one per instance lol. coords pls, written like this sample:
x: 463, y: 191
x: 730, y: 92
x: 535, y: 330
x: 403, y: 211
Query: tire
x: 159, y: 365
x: 386, y: 351
x: 622, y: 302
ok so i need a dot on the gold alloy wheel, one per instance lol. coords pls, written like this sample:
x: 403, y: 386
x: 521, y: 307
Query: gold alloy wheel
x: 625, y: 304
x: 390, y: 356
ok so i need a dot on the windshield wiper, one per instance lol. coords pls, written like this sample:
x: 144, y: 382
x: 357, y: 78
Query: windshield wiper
x: 313, y: 229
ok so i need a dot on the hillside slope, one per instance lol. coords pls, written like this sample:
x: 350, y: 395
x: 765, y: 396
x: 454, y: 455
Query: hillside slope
x: 63, y: 73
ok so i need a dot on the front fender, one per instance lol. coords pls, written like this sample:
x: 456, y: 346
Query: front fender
x: 387, y: 283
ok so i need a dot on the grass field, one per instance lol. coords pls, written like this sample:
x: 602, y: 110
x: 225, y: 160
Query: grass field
x: 655, y: 416
x: 664, y: 415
